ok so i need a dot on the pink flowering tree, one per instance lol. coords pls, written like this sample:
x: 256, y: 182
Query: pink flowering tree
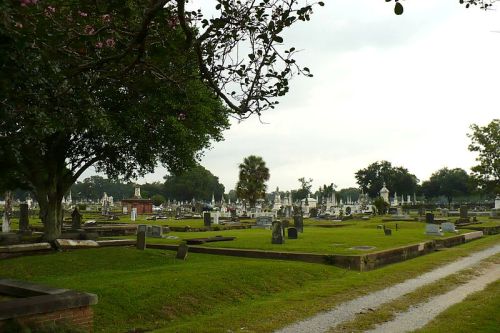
x: 125, y: 85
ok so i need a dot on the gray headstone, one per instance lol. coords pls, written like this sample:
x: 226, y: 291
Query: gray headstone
x: 207, y: 221
x: 464, y: 212
x: 156, y: 231
x: 142, y: 228
x: 24, y: 222
x: 388, y: 232
x: 429, y: 218
x: 76, y: 219
x: 263, y: 220
x: 292, y: 233
x: 298, y: 221
x: 182, y: 251
x: 448, y: 227
x: 277, y: 236
x: 432, y: 230
x: 141, y: 240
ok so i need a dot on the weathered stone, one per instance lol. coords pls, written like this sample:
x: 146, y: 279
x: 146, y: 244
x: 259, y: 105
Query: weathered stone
x: 182, y: 251
x: 141, y: 240
x: 473, y: 235
x: 448, y: 227
x: 67, y: 244
x: 277, y: 235
x: 76, y: 219
x: 292, y: 233
x: 387, y: 231
x: 24, y: 221
x: 207, y: 220
x: 298, y: 221
x: 429, y: 218
x: 433, y: 230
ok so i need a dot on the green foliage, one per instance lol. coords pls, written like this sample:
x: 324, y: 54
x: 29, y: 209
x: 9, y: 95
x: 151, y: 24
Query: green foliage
x: 447, y: 182
x: 304, y: 189
x: 196, y: 182
x: 486, y: 142
x: 253, y: 176
x: 158, y: 199
x: 397, y: 179
x: 381, y: 205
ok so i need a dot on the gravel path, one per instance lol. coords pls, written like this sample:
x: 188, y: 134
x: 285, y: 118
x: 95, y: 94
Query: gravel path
x: 419, y: 315
x: 348, y: 310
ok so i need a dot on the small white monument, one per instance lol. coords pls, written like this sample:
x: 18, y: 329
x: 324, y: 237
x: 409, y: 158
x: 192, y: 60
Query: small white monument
x: 497, y: 202
x: 384, y: 193
x: 133, y: 214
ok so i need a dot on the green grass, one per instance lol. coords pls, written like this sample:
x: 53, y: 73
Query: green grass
x: 151, y: 290
x: 478, y: 313
x: 319, y: 240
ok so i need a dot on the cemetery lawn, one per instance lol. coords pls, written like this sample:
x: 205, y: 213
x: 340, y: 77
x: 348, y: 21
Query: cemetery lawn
x: 477, y: 313
x: 339, y: 240
x: 206, y: 293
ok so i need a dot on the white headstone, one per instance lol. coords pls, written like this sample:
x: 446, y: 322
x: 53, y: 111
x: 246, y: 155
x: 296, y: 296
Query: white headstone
x: 433, y: 230
x: 124, y: 209
x: 497, y: 202
x: 5, y: 224
x: 133, y: 214
x: 448, y: 227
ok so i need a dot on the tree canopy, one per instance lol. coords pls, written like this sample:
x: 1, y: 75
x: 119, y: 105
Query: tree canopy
x: 397, y: 179
x: 447, y: 182
x: 253, y: 176
x: 485, y: 141
x: 125, y: 85
x: 196, y: 183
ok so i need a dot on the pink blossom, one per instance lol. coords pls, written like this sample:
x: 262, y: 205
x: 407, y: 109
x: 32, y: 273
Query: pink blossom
x: 99, y: 45
x: 82, y: 14
x: 25, y: 3
x: 106, y: 18
x: 89, y: 30
x: 18, y: 25
x: 110, y: 42
x: 49, y: 11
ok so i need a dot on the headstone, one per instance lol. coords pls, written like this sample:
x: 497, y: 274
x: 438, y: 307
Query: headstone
x: 292, y: 233
x: 156, y: 231
x: 464, y: 213
x: 387, y: 231
x: 206, y: 219
x: 421, y: 211
x: 285, y: 223
x: 444, y: 212
x: 380, y: 226
x: 125, y: 210
x: 24, y: 221
x: 216, y: 217
x: 277, y: 236
x: 142, y: 228
x: 141, y: 240
x: 399, y: 211
x: 133, y: 214
x: 182, y: 251
x: 298, y: 221
x: 497, y: 202
x: 76, y: 219
x: 432, y: 230
x: 429, y: 218
x: 448, y: 227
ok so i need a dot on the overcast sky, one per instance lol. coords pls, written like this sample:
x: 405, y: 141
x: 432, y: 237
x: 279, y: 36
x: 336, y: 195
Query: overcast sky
x: 398, y: 88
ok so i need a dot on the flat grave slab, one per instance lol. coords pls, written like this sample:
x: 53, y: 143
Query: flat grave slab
x: 193, y: 241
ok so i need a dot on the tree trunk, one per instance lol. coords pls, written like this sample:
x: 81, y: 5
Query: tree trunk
x: 51, y: 214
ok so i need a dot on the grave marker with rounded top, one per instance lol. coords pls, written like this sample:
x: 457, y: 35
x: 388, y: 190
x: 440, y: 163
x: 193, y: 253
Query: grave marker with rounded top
x: 182, y: 251
x: 292, y: 233
x: 76, y: 219
x: 277, y: 235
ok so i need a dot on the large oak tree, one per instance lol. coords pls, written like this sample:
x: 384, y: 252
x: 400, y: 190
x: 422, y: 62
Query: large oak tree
x: 123, y: 85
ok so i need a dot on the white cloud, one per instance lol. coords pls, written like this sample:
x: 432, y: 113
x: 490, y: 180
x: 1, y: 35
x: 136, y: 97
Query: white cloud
x: 398, y: 88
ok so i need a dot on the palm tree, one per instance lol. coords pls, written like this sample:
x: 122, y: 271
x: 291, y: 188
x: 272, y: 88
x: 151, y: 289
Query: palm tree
x: 253, y: 175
